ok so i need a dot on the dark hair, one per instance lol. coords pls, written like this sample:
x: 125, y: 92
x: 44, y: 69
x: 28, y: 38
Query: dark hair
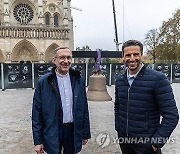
x: 59, y: 48
x: 132, y: 43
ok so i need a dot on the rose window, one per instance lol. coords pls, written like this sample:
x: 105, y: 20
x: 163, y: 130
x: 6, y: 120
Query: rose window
x: 23, y: 13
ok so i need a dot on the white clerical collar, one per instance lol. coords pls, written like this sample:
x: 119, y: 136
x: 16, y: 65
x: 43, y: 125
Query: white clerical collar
x: 62, y: 76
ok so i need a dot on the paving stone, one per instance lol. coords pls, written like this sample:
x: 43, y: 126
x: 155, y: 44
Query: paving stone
x: 16, y: 134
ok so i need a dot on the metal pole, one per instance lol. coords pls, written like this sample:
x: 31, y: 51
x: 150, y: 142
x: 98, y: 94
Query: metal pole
x: 171, y: 76
x: 110, y: 76
x: 87, y: 74
x: 115, y: 27
x: 2, y: 76
x: 123, y: 24
x: 33, y: 76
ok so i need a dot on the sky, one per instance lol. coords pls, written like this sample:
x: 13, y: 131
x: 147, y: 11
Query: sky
x: 94, y: 25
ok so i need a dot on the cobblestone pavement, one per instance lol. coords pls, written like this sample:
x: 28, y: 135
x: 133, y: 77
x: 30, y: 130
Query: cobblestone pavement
x: 16, y: 134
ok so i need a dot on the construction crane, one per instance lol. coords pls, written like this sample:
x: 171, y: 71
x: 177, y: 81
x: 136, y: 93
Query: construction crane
x: 75, y: 8
x: 115, y: 27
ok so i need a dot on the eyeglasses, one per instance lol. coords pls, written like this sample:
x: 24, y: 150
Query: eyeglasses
x: 64, y: 57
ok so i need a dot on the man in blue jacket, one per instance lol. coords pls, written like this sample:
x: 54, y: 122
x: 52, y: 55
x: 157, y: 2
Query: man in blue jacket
x: 60, y: 116
x: 145, y: 109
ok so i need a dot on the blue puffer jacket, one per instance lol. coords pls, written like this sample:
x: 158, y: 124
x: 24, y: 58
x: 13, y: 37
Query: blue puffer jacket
x: 47, y: 114
x: 138, y: 108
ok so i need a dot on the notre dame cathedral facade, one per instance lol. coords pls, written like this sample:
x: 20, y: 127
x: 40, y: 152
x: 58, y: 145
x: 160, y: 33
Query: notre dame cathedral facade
x: 31, y: 29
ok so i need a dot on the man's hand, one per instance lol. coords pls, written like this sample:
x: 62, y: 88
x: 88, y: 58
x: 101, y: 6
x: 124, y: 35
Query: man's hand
x: 39, y: 149
x: 84, y: 141
x: 154, y: 148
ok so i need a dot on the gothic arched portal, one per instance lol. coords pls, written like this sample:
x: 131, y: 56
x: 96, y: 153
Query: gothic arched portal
x: 24, y: 51
x: 49, y: 52
x: 2, y: 58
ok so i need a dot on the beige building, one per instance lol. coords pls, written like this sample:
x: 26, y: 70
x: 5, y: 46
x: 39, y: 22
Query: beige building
x: 31, y: 29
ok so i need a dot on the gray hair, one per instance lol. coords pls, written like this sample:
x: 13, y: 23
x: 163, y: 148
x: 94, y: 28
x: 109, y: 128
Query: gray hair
x: 59, y: 48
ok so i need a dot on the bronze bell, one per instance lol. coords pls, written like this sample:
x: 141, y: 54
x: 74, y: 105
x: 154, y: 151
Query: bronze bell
x: 97, y: 90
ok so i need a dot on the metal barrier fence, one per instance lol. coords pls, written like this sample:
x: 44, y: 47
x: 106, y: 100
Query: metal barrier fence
x: 26, y: 75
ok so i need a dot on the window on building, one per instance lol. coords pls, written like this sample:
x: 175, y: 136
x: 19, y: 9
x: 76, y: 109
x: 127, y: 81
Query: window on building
x: 23, y: 13
x: 47, y: 19
x: 56, y: 20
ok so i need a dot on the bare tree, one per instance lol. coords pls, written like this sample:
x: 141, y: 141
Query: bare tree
x: 170, y: 37
x: 164, y: 43
x: 151, y: 42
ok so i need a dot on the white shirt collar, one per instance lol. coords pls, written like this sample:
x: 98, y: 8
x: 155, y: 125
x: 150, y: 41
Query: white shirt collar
x: 134, y: 75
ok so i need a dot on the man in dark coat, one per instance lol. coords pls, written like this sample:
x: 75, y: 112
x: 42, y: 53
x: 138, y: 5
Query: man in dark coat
x: 145, y: 109
x: 60, y: 116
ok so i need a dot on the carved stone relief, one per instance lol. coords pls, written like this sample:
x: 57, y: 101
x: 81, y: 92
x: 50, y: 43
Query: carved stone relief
x: 49, y: 52
x: 52, y: 8
x: 2, y: 59
x: 24, y: 51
